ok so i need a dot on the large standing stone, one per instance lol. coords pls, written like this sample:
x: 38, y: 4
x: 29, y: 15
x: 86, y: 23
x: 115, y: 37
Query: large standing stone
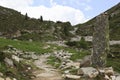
x: 100, y: 41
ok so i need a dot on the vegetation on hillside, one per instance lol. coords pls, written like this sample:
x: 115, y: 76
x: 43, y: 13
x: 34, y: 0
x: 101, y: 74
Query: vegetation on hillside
x: 15, y: 25
x: 86, y: 29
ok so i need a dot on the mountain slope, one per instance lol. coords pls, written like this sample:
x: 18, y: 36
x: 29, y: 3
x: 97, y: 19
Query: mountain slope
x: 15, y: 25
x: 114, y: 22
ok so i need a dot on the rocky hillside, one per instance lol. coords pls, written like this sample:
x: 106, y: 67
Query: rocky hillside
x: 15, y: 25
x: 86, y: 29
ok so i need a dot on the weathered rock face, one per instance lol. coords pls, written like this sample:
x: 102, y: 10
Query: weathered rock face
x: 100, y: 41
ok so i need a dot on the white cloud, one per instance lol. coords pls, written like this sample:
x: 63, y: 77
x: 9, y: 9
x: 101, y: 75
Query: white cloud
x: 55, y: 12
x: 87, y: 8
x: 15, y: 3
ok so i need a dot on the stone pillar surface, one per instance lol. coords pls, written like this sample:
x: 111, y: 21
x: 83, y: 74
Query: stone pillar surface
x: 100, y: 41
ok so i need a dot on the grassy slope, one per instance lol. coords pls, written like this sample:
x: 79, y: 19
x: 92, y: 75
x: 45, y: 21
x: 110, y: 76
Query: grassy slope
x: 38, y: 48
x: 24, y: 45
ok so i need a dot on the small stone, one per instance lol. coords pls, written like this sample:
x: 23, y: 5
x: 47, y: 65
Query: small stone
x: 66, y: 72
x: 72, y: 77
x: 118, y: 78
x: 80, y: 72
x: 76, y: 65
x: 109, y: 71
x: 7, y: 78
x: 14, y: 79
x: 16, y: 58
x: 113, y: 77
x: 1, y: 74
x: 8, y: 61
x: 1, y: 78
x: 86, y: 61
x: 107, y: 77
x: 29, y: 68
x: 102, y: 71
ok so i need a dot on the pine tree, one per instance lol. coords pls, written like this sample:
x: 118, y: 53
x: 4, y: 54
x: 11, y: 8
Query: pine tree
x: 26, y: 16
x: 41, y: 18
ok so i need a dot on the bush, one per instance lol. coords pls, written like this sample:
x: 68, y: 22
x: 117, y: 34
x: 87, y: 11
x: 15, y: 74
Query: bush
x: 71, y: 43
x: 2, y: 56
x: 83, y: 44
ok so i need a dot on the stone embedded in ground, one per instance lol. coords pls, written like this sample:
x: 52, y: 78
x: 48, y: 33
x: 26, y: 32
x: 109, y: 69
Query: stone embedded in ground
x: 75, y: 77
x: 100, y: 41
x: 118, y: 78
x: 7, y: 78
x: 113, y: 77
x: 16, y: 58
x: 109, y: 71
x: 1, y: 78
x: 8, y: 61
x: 89, y: 71
x: 85, y: 61
x: 80, y: 72
x: 1, y: 74
x: 107, y: 77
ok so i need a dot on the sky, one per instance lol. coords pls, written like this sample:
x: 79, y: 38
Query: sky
x: 74, y: 11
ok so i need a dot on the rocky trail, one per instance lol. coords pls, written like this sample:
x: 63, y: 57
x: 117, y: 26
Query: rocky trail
x: 45, y: 71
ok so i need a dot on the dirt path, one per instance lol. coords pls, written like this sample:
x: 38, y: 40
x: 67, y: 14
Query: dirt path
x: 46, y: 71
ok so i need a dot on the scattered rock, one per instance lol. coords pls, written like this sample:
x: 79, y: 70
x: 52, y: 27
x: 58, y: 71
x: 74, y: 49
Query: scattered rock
x: 72, y: 77
x: 118, y: 78
x: 46, y: 47
x: 8, y: 61
x: 1, y: 78
x: 14, y: 79
x: 80, y: 72
x: 113, y: 77
x: 1, y: 74
x: 16, y: 58
x: 66, y: 72
x: 109, y: 71
x: 107, y: 77
x: 7, y: 78
x: 86, y: 61
x: 29, y: 68
x: 90, y: 72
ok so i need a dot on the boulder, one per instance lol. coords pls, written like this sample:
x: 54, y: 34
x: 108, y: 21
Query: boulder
x: 90, y: 72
